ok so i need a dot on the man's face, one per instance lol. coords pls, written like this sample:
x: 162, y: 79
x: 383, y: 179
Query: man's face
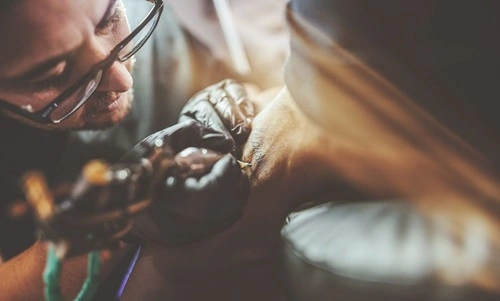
x: 47, y: 45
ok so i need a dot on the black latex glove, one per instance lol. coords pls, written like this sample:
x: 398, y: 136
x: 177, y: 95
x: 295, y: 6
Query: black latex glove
x: 224, y: 107
x: 180, y: 136
x: 187, y: 209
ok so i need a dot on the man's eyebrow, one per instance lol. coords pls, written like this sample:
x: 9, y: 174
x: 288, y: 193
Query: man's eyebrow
x: 107, y: 12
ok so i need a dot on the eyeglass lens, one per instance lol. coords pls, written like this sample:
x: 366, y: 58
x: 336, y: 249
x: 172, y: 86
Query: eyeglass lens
x: 76, y: 99
x: 138, y: 41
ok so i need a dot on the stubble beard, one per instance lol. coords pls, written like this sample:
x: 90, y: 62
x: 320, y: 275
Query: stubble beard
x: 91, y: 114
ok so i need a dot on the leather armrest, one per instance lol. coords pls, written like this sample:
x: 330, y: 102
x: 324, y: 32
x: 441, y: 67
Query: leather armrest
x: 385, y: 251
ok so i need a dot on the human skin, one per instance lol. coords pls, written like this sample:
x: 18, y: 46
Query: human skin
x: 33, y: 32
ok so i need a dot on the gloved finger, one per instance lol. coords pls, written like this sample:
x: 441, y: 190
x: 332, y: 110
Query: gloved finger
x: 234, y: 180
x: 194, y: 162
x: 215, y: 194
x: 225, y: 101
x: 226, y: 177
x: 203, y: 112
x: 178, y: 137
x: 238, y: 92
x: 192, y: 133
x: 223, y: 173
x: 190, y: 209
x: 229, y: 101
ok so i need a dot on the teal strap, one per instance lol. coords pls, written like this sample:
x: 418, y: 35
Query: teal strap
x: 52, y: 274
x: 91, y: 283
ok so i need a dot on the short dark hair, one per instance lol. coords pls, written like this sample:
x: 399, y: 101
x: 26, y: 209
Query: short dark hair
x: 5, y: 5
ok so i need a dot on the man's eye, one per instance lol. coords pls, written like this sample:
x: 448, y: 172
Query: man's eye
x: 49, y: 83
x: 51, y: 79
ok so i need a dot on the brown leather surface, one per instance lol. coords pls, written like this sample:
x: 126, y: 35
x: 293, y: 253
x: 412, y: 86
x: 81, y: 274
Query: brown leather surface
x: 386, y: 250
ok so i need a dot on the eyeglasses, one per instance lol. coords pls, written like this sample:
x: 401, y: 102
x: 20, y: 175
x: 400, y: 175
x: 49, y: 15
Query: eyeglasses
x: 77, y: 94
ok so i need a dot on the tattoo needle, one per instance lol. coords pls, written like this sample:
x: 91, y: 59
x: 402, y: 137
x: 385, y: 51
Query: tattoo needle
x: 244, y: 164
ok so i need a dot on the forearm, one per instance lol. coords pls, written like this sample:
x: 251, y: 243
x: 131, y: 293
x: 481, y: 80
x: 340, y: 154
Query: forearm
x: 22, y: 275
x: 294, y: 157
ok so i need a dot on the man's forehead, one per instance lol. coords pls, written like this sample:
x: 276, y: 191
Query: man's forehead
x: 36, y: 30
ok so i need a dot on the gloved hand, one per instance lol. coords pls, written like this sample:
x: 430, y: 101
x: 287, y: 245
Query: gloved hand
x: 78, y: 217
x: 186, y: 209
x: 224, y: 107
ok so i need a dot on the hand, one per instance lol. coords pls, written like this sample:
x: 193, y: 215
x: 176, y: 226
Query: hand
x: 283, y: 147
x: 283, y: 153
x: 186, y: 209
x: 223, y: 107
x: 78, y: 217
x: 178, y: 137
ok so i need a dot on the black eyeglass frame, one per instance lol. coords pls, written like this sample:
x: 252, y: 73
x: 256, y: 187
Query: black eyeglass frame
x: 43, y: 115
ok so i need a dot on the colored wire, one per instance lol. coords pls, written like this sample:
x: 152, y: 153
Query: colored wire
x: 52, y: 274
x: 127, y: 275
x: 92, y: 282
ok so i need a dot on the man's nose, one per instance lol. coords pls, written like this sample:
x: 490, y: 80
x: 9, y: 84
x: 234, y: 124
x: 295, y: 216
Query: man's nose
x: 115, y: 79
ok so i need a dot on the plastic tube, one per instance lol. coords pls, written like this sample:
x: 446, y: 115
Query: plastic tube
x: 52, y: 274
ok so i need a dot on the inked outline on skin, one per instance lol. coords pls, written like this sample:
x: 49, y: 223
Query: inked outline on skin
x: 255, y: 155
